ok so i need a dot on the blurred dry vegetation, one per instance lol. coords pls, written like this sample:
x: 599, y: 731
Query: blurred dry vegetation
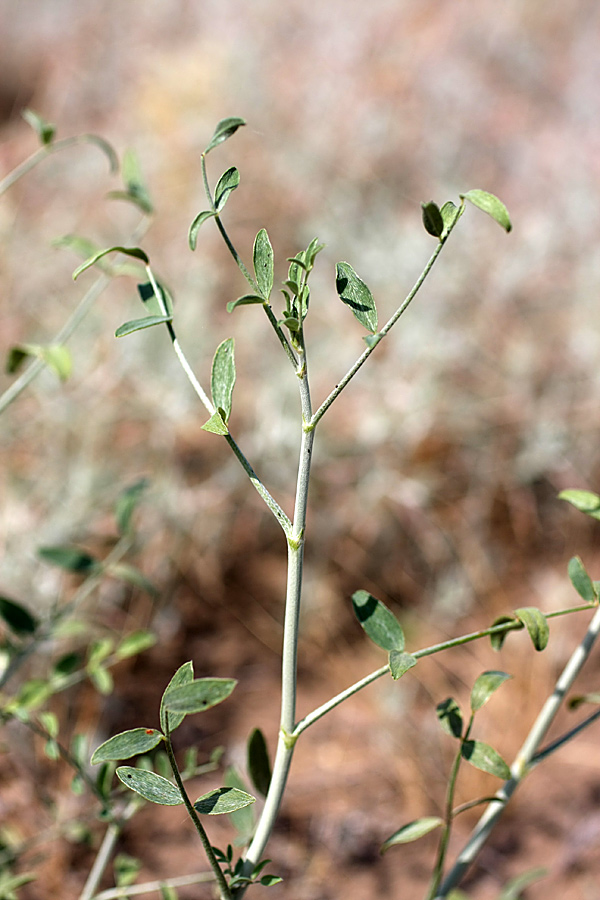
x: 436, y: 473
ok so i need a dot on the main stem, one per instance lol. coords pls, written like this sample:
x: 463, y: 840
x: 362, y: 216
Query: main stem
x: 286, y: 741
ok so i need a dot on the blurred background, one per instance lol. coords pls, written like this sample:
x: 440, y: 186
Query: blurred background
x: 435, y: 474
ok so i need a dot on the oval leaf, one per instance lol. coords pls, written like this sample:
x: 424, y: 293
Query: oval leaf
x: 126, y: 744
x: 498, y: 637
x: 195, y: 226
x: 246, y: 300
x: 263, y: 263
x: 183, y: 675
x: 155, y: 306
x: 69, y: 558
x: 223, y: 800
x: 432, y: 219
x: 224, y: 130
x: 449, y: 212
x: 135, y: 643
x: 584, y: 501
x: 484, y: 687
x: 227, y: 183
x: 581, y: 581
x: 450, y: 717
x: 201, y: 694
x: 135, y: 252
x: 17, y: 617
x: 150, y: 786
x: 259, y: 767
x: 490, y: 205
x: 536, y: 624
x: 223, y: 376
x: 484, y: 757
x: 354, y: 293
x: 139, y: 324
x: 400, y: 663
x: 380, y: 624
x: 412, y: 831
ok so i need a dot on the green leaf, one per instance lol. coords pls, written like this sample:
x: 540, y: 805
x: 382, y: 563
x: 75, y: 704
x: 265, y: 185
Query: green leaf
x: 136, y: 191
x: 223, y: 800
x: 371, y: 340
x: 578, y: 699
x: 153, y: 305
x: 69, y: 558
x: 412, y: 831
x: 244, y: 819
x: 139, y: 324
x: 131, y: 575
x: 200, y: 219
x: 126, y: 869
x: 400, y: 663
x: 216, y: 424
x: 270, y: 880
x: 49, y: 721
x: 17, y: 617
x: 484, y: 757
x: 101, y: 679
x: 498, y: 638
x: 227, y: 183
x: 354, y: 293
x: 263, y: 263
x: 168, y: 892
x: 55, y: 356
x: 126, y: 744
x: 259, y: 766
x: 514, y: 888
x: 44, y: 130
x: 380, y: 624
x: 198, y: 695
x: 536, y: 624
x: 223, y: 377
x: 490, y: 205
x: 450, y: 717
x: 484, y: 687
x: 150, y: 786
x: 223, y: 131
x: 449, y: 211
x: 135, y: 643
x: 183, y: 675
x: 127, y: 502
x: 135, y: 252
x: 246, y: 300
x: 433, y: 220
x: 584, y: 501
x: 581, y: 581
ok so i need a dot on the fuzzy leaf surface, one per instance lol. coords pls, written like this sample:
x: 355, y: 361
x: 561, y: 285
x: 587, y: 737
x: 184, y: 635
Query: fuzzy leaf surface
x: 198, y: 695
x: 490, y: 205
x: 183, y: 675
x: 216, y: 424
x: 246, y: 300
x: 196, y: 225
x: 128, y: 743
x: 223, y: 131
x: 150, y: 786
x: 263, y: 263
x: 227, y: 183
x: 484, y: 687
x: 380, y: 624
x: 223, y: 376
x: 223, y: 800
x: 536, y: 624
x: 581, y: 581
x: 412, y: 831
x: 135, y: 252
x: 140, y: 324
x: 484, y: 757
x: 400, y: 663
x: 354, y: 293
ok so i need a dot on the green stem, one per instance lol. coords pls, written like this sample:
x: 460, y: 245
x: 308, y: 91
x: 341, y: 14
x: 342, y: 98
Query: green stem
x: 224, y: 891
x: 387, y: 327
x: 503, y: 628
x: 524, y: 760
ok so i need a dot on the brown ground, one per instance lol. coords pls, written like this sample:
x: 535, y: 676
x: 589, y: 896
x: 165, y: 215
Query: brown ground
x: 435, y: 477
